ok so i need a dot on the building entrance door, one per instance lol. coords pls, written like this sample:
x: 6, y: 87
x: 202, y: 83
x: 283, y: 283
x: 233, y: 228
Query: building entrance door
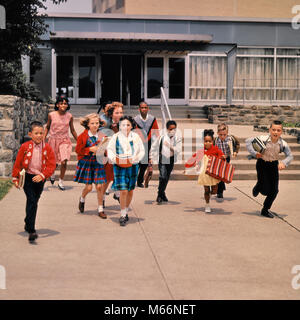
x: 169, y: 72
x: 121, y: 78
x: 76, y: 78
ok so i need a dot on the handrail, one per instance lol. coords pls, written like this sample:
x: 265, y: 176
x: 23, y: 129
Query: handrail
x: 164, y: 103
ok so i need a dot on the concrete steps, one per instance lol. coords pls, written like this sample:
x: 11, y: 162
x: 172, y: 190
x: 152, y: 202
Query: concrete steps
x: 244, y: 168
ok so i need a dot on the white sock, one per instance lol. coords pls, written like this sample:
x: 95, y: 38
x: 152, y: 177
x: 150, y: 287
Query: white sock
x: 123, y: 212
x: 82, y: 199
x: 117, y: 193
x: 60, y: 181
x: 127, y: 209
x: 100, y: 208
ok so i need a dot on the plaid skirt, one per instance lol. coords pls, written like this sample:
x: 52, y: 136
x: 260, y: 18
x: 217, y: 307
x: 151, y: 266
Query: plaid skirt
x: 89, y: 170
x: 125, y: 178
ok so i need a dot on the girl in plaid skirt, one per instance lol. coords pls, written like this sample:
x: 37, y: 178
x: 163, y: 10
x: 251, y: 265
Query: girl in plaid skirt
x: 125, y: 150
x: 89, y: 170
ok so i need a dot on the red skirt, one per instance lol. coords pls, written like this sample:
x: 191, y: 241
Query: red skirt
x: 109, y: 172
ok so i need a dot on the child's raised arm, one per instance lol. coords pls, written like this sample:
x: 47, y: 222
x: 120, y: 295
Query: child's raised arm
x: 72, y: 129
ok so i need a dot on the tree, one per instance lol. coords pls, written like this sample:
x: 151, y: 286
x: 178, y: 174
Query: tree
x: 24, y: 27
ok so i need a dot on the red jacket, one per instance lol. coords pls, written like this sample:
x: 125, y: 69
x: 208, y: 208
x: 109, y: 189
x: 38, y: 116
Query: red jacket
x: 81, y: 148
x: 196, y: 157
x: 24, y: 157
x: 214, y: 151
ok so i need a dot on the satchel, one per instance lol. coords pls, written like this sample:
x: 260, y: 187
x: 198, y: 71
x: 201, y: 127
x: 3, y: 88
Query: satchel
x: 123, y: 162
x: 258, y: 145
x: 21, y: 178
x: 148, y: 175
x: 220, y: 169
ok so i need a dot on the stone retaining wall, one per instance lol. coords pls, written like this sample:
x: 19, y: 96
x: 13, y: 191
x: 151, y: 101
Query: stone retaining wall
x: 16, y: 114
x: 252, y: 114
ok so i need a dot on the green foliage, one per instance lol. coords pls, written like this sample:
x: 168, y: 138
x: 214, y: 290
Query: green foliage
x: 5, y: 185
x: 13, y: 82
x: 291, y: 125
x: 24, y: 27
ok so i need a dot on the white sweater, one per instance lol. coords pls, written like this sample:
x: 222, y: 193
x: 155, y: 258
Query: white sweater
x: 138, y: 147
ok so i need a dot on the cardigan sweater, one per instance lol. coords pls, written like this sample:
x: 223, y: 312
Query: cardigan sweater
x: 24, y: 157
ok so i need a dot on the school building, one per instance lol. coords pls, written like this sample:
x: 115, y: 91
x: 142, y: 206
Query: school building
x: 201, y: 52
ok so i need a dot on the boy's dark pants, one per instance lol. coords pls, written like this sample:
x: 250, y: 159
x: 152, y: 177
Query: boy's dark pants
x: 143, y: 165
x: 165, y: 169
x: 221, y: 184
x: 33, y: 191
x: 267, y: 180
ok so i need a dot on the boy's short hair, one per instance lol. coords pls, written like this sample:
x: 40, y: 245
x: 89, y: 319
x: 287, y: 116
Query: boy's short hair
x: 143, y: 102
x: 276, y: 122
x: 34, y: 124
x: 171, y: 122
x: 222, y: 126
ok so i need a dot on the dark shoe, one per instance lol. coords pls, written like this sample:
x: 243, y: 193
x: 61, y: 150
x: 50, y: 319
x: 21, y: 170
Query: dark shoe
x: 126, y: 218
x: 116, y: 198
x: 255, y: 191
x: 122, y: 221
x: 102, y: 215
x: 32, y: 236
x: 81, y: 206
x: 52, y: 180
x: 266, y: 213
x: 220, y: 195
x: 103, y: 203
x: 140, y: 185
x: 164, y: 198
x: 159, y: 200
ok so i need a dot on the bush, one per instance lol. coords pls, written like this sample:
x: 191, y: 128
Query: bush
x: 13, y: 82
x: 5, y: 185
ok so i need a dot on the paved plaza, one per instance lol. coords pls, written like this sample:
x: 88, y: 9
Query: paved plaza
x: 169, y: 251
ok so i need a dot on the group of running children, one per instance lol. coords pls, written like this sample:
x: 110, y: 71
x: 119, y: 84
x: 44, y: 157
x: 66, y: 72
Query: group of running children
x: 118, y: 149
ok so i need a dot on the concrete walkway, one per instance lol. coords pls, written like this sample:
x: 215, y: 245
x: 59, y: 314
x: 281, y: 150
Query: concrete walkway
x: 169, y: 251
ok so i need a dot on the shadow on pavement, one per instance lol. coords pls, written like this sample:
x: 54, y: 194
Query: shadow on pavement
x: 214, y: 211
x: 42, y: 233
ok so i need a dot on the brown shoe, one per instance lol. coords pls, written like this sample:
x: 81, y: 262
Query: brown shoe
x: 102, y: 215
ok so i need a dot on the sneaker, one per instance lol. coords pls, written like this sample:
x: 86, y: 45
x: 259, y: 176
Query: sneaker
x: 140, y: 185
x: 61, y: 186
x: 122, y: 221
x: 81, y: 206
x: 126, y: 218
x: 207, y: 209
x: 266, y: 213
x: 52, y: 180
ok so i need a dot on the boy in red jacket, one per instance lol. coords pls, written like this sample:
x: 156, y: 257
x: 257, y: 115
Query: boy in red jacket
x: 38, y: 160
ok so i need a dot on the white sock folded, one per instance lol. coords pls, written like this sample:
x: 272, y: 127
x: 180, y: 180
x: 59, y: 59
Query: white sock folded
x: 100, y: 208
x: 82, y: 199
x: 123, y: 213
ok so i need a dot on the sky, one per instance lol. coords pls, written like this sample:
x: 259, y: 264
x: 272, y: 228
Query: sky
x: 71, y: 6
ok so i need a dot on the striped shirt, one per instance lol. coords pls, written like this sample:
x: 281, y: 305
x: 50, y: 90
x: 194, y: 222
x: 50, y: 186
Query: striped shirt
x: 224, y: 146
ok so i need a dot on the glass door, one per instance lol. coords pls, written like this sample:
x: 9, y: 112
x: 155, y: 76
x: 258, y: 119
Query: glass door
x: 65, y: 77
x: 168, y: 72
x: 76, y: 78
x: 86, y: 79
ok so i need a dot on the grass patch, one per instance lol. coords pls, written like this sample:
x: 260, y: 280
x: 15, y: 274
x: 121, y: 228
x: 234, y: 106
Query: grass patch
x: 5, y: 185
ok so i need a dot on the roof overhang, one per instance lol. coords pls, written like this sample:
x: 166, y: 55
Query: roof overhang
x: 132, y: 37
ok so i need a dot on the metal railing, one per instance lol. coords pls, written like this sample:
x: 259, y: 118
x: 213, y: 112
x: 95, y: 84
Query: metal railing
x: 164, y: 106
